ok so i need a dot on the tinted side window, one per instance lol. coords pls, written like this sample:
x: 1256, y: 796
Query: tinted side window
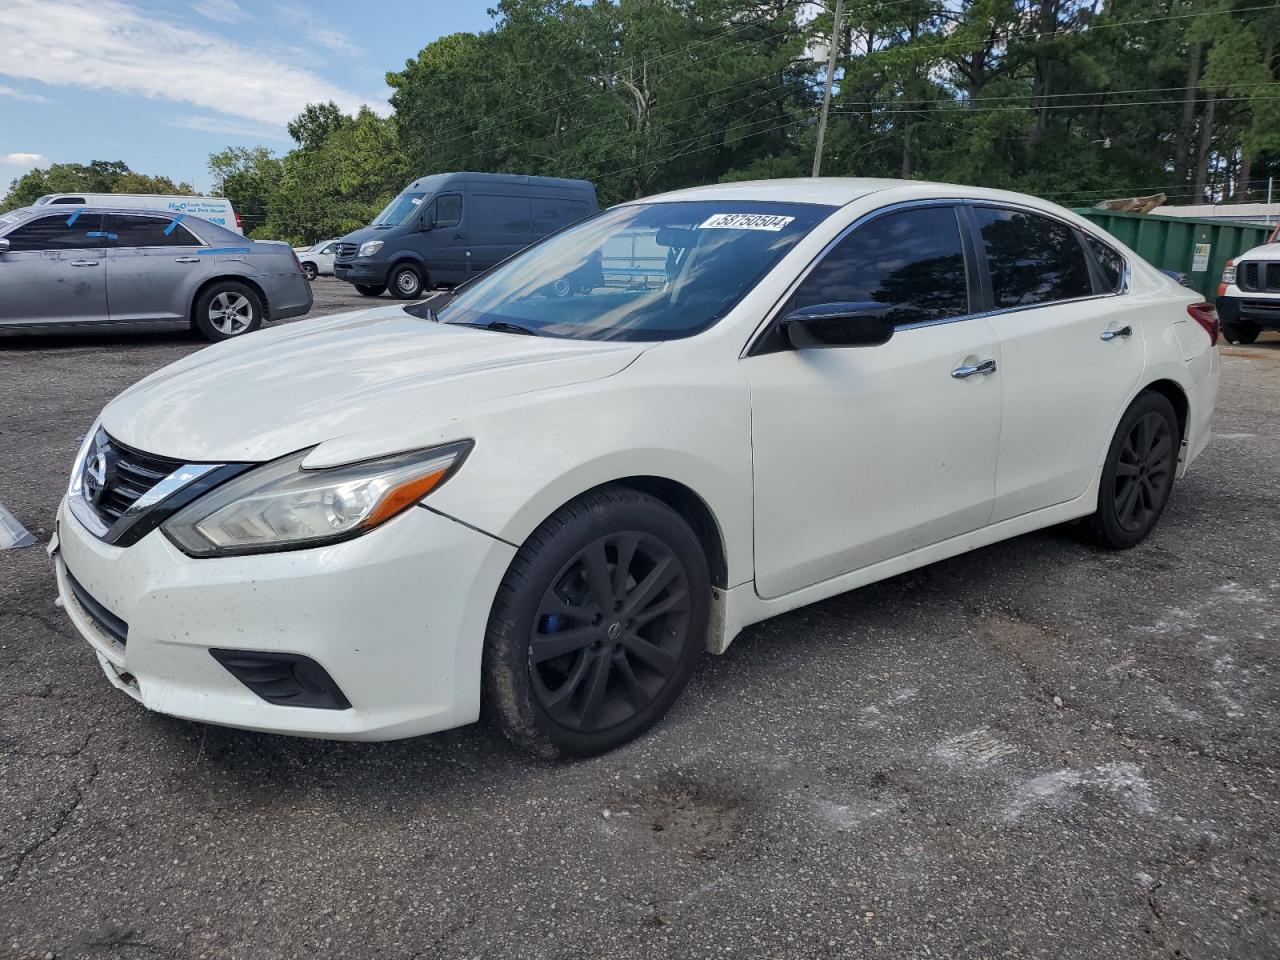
x: 68, y: 200
x: 150, y: 232
x: 1032, y: 259
x: 912, y: 259
x: 58, y: 233
x: 448, y: 210
x: 1110, y: 261
x: 550, y: 215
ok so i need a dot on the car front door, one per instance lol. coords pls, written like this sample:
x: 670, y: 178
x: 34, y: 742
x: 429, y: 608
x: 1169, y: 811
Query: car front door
x: 446, y: 242
x: 1065, y: 386
x: 864, y: 453
x: 54, y: 271
x: 153, y: 265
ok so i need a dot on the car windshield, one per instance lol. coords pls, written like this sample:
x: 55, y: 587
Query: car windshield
x: 399, y: 210
x: 655, y: 271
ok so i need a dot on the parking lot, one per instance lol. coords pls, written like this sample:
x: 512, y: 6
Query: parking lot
x: 1037, y: 749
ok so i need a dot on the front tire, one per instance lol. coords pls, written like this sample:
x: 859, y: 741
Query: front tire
x: 1137, y: 477
x: 309, y: 271
x: 227, y: 309
x: 406, y: 281
x: 371, y: 289
x: 597, y: 626
x: 1244, y: 333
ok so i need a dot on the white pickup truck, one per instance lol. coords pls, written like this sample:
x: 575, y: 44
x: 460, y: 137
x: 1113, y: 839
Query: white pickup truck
x: 1249, y: 294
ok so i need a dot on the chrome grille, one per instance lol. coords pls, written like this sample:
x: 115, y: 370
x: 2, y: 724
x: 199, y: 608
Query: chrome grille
x: 346, y: 251
x: 126, y: 474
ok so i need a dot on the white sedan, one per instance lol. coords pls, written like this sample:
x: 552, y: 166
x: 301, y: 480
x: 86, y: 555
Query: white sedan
x: 317, y: 260
x: 545, y: 506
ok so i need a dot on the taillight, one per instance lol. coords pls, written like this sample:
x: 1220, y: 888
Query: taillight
x: 1207, y: 317
x: 239, y: 222
x: 298, y: 263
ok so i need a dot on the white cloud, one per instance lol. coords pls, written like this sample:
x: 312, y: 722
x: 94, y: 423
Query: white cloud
x: 218, y: 125
x: 110, y: 44
x: 330, y: 38
x: 13, y: 93
x: 224, y: 11
x: 21, y: 159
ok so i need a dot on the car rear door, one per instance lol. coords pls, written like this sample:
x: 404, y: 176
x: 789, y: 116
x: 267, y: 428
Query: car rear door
x: 502, y: 226
x: 54, y: 271
x: 861, y: 454
x: 1072, y: 354
x: 154, y: 264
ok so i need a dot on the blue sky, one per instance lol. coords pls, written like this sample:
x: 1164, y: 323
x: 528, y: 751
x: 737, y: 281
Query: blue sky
x: 161, y: 85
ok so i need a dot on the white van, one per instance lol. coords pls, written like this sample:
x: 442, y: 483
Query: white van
x: 214, y: 209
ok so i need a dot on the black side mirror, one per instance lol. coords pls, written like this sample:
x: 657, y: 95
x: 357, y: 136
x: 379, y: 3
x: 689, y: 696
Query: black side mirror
x: 864, y: 324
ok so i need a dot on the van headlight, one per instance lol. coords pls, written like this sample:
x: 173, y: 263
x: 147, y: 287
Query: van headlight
x: 281, y: 506
x: 369, y: 248
x: 1229, y: 273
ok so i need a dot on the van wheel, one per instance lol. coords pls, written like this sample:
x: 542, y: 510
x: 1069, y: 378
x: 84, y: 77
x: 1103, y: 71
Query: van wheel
x: 597, y: 626
x: 309, y: 271
x: 406, y: 282
x: 371, y: 289
x: 227, y: 309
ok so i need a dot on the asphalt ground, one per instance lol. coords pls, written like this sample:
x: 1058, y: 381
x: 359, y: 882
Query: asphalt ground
x: 1037, y: 749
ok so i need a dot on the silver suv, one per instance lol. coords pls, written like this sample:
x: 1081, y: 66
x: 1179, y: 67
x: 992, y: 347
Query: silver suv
x: 141, y: 269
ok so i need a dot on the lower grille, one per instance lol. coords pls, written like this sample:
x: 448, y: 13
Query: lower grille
x: 1261, y: 309
x: 104, y: 619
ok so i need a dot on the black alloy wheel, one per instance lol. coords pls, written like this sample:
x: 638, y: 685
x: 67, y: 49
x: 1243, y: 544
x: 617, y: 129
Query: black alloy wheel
x: 1138, y: 474
x: 1144, y: 472
x: 609, y: 632
x: 597, y: 626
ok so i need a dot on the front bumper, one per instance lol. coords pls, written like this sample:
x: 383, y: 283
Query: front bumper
x: 365, y: 271
x: 397, y: 618
x: 1258, y: 309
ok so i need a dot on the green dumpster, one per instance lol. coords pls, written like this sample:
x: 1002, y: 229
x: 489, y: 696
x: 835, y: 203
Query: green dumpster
x: 1198, y: 248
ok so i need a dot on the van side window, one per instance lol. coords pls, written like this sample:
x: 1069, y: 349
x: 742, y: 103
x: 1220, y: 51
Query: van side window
x: 448, y: 210
x: 150, y: 232
x: 57, y: 233
x: 504, y: 219
x: 912, y: 260
x: 1032, y: 259
x: 550, y: 215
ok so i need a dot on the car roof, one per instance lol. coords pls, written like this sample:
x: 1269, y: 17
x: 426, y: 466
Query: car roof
x: 838, y: 191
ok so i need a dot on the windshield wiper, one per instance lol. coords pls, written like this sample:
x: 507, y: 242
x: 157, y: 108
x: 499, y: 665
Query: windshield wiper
x: 501, y: 326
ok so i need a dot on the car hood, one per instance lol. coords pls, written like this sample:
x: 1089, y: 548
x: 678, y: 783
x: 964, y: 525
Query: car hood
x: 363, y: 384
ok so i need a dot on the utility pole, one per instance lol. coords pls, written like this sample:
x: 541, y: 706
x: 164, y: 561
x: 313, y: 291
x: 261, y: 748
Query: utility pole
x: 832, y: 54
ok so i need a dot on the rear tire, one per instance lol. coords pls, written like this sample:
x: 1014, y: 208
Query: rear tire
x: 597, y: 626
x: 406, y: 281
x: 1137, y: 477
x: 371, y: 289
x: 1244, y: 333
x: 227, y: 309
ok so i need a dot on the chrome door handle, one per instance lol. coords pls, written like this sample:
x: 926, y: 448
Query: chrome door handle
x: 1112, y: 334
x: 84, y: 263
x: 186, y: 259
x: 966, y: 370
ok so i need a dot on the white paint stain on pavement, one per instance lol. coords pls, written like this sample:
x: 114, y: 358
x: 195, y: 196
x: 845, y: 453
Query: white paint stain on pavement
x: 1122, y: 779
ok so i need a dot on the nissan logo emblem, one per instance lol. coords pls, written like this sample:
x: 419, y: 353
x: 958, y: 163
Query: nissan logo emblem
x: 95, y: 476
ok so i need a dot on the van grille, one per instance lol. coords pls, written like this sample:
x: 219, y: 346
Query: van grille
x: 346, y: 251
x: 1262, y: 277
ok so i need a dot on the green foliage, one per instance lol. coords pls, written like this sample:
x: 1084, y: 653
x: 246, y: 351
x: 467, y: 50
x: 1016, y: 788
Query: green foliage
x: 97, y: 176
x: 1068, y: 99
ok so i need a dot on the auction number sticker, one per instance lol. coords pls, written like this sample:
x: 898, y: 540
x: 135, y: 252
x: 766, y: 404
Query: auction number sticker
x: 745, y: 221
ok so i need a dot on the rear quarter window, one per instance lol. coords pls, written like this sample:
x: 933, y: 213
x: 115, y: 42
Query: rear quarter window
x: 1111, y: 263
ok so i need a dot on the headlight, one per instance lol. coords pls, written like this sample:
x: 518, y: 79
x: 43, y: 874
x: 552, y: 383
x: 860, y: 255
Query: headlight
x: 369, y: 248
x: 1229, y: 274
x: 280, y: 506
x: 76, y: 482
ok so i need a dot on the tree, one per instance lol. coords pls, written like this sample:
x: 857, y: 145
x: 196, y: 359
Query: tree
x: 248, y: 177
x: 97, y: 176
